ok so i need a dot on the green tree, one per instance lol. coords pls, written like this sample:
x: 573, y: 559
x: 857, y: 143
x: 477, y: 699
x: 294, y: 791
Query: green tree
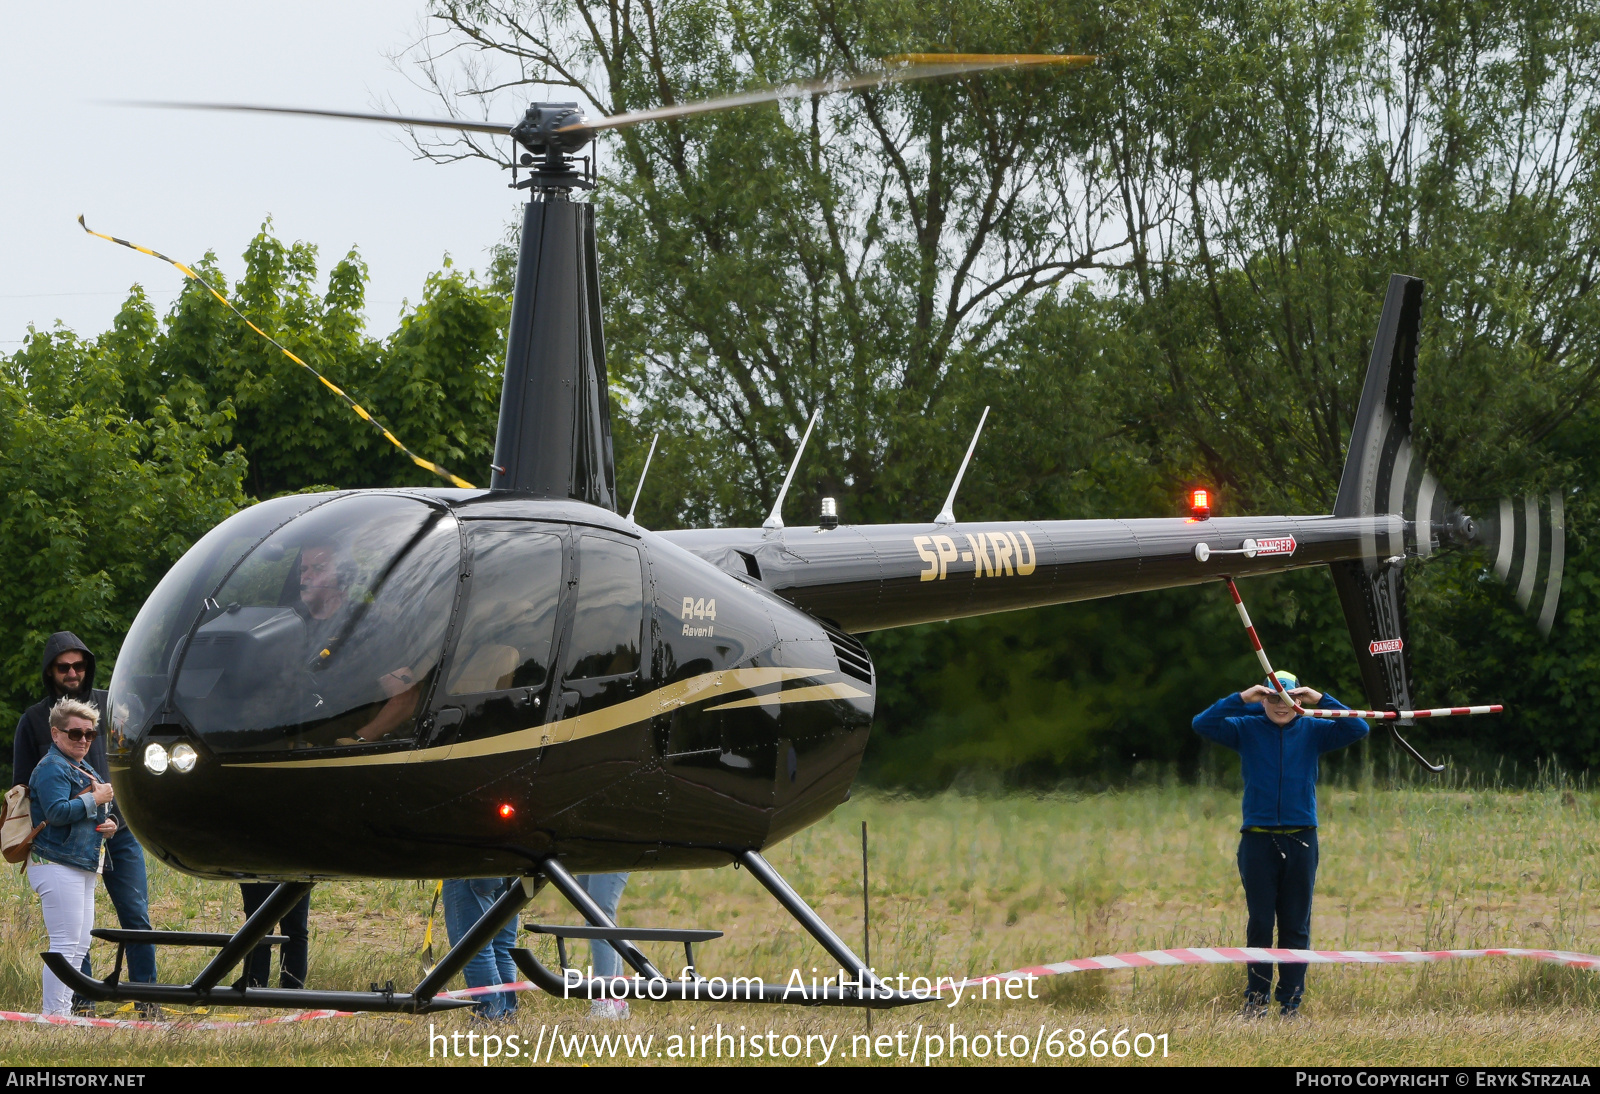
x: 118, y: 452
x: 435, y: 382
x: 95, y: 504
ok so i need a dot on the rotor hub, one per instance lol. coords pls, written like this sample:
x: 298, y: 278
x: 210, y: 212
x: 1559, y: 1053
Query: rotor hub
x: 551, y: 133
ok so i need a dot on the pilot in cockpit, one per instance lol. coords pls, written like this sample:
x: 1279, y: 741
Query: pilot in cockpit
x: 326, y: 575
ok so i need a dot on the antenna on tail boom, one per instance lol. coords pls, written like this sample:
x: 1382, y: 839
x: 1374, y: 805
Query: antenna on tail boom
x: 947, y: 515
x: 775, y: 522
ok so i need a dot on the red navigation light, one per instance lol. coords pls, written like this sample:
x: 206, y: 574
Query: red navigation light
x: 506, y: 811
x: 1200, y: 504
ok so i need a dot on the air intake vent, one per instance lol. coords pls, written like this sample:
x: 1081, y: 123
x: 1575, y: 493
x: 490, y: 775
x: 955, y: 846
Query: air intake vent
x: 854, y: 660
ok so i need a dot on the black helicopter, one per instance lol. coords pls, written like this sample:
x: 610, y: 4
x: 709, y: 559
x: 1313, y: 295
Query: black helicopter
x: 423, y: 683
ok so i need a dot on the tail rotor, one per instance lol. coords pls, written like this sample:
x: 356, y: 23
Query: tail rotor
x: 1526, y: 537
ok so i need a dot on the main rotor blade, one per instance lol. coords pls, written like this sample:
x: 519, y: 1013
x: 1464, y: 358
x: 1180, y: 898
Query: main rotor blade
x: 349, y: 115
x: 914, y: 66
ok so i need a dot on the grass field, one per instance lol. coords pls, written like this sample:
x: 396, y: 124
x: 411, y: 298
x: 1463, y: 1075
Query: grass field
x: 966, y: 884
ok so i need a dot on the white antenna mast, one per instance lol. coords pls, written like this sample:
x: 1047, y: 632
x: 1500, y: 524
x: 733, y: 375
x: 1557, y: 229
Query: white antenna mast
x: 640, y: 488
x: 947, y: 515
x: 775, y: 521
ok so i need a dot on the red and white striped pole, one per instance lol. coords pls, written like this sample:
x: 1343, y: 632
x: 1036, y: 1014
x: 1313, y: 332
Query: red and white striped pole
x: 1381, y: 715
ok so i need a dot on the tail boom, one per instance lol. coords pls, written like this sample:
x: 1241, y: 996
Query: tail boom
x: 873, y: 577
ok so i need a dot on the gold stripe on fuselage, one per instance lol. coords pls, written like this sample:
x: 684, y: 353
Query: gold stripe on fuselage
x: 812, y: 694
x: 625, y: 713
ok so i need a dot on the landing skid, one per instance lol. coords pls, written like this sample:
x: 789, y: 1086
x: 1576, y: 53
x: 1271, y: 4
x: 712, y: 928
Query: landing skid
x: 860, y: 987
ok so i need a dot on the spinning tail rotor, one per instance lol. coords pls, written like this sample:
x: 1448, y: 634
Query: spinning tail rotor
x: 1406, y: 514
x: 1528, y: 540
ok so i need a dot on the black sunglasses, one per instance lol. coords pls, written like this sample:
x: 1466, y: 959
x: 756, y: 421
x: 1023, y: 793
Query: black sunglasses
x: 74, y: 666
x: 81, y: 734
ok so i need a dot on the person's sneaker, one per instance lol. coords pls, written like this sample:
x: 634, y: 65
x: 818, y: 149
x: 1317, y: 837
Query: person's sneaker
x: 610, y: 1010
x: 1255, y: 1006
x: 1289, y: 1011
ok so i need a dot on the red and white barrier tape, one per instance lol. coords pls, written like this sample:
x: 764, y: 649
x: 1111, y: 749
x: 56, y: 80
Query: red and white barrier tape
x: 299, y: 1016
x: 134, y: 1023
x: 1261, y: 655
x: 1241, y: 955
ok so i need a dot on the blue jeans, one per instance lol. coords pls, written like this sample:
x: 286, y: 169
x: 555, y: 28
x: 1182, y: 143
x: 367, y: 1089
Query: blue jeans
x: 464, y: 904
x: 129, y: 892
x: 295, y: 926
x: 1279, y: 872
x: 605, y: 890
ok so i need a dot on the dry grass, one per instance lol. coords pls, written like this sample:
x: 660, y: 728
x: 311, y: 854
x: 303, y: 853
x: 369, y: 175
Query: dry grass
x: 970, y: 884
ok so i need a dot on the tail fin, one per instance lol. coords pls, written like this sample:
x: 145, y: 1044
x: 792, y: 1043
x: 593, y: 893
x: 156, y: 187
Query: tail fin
x: 1377, y: 468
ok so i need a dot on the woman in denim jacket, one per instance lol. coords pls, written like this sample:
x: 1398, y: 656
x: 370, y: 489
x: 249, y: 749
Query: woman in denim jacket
x: 70, y: 802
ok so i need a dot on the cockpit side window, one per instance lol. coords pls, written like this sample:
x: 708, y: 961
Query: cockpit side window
x: 610, y: 610
x: 510, y: 619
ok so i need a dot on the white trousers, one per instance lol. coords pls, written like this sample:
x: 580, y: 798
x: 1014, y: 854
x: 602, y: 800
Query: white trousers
x: 67, y: 895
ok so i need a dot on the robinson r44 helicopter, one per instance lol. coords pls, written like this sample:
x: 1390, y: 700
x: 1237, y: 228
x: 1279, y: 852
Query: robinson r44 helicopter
x: 453, y: 682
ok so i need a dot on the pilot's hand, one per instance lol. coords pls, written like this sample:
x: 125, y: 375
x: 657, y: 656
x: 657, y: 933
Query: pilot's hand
x: 103, y: 793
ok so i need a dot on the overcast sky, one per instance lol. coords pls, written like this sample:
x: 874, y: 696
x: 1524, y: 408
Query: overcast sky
x: 185, y: 183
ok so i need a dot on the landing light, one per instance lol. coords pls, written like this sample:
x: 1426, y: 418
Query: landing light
x: 184, y: 757
x: 1199, y: 504
x: 155, y: 758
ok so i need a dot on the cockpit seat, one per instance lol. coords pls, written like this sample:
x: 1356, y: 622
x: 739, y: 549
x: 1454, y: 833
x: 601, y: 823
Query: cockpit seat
x: 489, y: 668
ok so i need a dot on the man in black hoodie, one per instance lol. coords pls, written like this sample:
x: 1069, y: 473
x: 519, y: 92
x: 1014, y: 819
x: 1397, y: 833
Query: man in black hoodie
x: 69, y: 674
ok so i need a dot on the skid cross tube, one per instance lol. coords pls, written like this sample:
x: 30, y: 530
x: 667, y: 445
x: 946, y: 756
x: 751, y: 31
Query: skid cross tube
x: 773, y: 882
x: 568, y: 886
x: 491, y: 923
x: 865, y: 990
x: 256, y: 928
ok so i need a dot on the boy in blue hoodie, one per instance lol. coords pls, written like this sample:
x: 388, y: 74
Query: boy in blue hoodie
x: 1278, y: 756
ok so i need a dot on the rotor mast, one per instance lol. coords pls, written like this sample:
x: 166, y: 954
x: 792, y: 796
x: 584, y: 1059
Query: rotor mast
x: 554, y: 434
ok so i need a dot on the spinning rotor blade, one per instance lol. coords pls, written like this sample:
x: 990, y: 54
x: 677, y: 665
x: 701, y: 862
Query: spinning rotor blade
x: 350, y: 115
x: 900, y: 68
x: 1525, y: 538
x: 910, y: 66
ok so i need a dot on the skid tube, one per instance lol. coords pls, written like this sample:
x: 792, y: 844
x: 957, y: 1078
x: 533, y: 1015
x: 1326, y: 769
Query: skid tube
x: 860, y: 986
x: 206, y: 989
x: 857, y: 986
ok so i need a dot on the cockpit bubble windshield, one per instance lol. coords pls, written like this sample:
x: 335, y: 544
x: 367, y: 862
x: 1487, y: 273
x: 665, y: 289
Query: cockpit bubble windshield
x: 328, y: 634
x: 139, y: 685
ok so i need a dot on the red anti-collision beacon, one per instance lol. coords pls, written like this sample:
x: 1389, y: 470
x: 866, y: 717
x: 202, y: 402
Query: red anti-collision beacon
x: 1199, y: 504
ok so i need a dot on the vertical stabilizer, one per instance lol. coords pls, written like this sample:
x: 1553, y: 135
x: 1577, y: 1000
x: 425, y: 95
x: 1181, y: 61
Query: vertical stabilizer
x: 1377, y: 468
